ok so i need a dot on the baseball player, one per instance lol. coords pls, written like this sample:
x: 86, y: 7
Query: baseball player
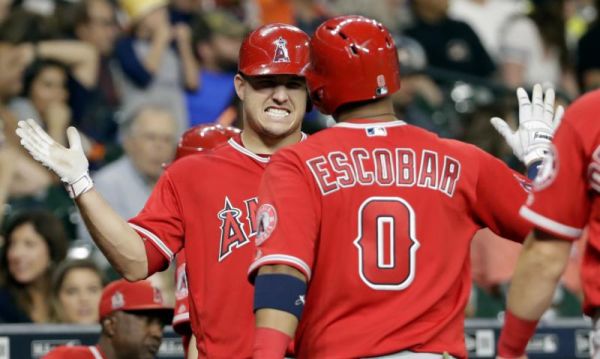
x: 132, y: 317
x: 376, y: 216
x: 564, y: 200
x: 205, y: 204
x: 196, y: 140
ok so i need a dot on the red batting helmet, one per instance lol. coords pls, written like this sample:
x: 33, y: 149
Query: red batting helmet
x: 353, y: 59
x: 203, y: 137
x: 274, y: 49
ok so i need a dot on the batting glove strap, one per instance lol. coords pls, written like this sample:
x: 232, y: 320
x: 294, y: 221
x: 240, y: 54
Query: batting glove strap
x: 536, y: 153
x: 81, y: 185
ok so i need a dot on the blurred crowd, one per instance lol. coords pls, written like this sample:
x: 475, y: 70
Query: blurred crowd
x: 133, y: 75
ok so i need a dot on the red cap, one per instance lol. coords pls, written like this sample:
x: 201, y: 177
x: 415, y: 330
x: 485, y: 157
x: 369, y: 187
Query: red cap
x: 274, y: 49
x: 353, y: 59
x: 203, y: 137
x: 138, y: 296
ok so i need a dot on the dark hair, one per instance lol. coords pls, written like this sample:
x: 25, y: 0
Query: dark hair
x: 61, y: 272
x: 80, y: 12
x: 50, y: 228
x: 24, y: 26
x: 64, y: 268
x: 33, y: 71
x: 548, y: 16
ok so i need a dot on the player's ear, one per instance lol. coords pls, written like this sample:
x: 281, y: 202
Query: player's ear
x: 109, y: 326
x: 239, y: 82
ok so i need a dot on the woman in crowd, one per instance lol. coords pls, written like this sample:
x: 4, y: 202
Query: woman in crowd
x: 35, y: 243
x: 76, y: 291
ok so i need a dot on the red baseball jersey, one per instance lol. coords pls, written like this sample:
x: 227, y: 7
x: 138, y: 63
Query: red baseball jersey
x: 565, y: 197
x: 207, y: 204
x: 379, y: 217
x: 75, y: 352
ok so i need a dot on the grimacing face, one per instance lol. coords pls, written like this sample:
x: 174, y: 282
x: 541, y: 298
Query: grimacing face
x: 79, y: 296
x: 273, y: 105
x: 28, y: 254
x: 136, y: 335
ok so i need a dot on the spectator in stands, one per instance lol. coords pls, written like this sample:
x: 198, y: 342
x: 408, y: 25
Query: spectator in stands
x: 5, y: 6
x: 154, y: 72
x: 76, y: 289
x: 149, y: 140
x: 183, y: 10
x: 217, y: 37
x: 588, y: 61
x: 35, y: 244
x: 533, y: 49
x: 47, y: 80
x: 7, y: 169
x: 46, y: 98
x: 132, y: 317
x: 450, y: 44
x: 95, y: 24
x: 487, y: 18
x: 11, y: 70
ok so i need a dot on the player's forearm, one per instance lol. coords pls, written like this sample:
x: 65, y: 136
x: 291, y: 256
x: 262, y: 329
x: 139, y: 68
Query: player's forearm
x: 192, y: 350
x: 277, y: 319
x: 539, y: 268
x: 121, y: 245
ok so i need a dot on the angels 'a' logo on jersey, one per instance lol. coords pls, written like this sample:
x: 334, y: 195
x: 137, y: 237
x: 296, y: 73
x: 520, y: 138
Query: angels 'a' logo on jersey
x: 267, y: 220
x: 181, y: 287
x: 281, y: 51
x: 594, y: 170
x: 232, y: 230
x: 547, y: 171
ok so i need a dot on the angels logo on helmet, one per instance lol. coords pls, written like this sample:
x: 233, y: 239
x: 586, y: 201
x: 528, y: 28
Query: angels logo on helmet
x: 281, y: 51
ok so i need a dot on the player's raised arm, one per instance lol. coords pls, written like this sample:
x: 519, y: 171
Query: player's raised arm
x: 121, y: 245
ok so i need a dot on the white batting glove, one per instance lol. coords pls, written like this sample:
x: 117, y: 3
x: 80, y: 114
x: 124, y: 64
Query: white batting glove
x: 537, y: 123
x: 70, y: 164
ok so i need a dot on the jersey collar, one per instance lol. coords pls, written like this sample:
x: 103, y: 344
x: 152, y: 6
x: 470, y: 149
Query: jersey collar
x: 237, y: 145
x: 361, y: 123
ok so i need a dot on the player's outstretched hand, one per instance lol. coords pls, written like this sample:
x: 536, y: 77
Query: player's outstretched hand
x: 70, y: 164
x: 537, y: 123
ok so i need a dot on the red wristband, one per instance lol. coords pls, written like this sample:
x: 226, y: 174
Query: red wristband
x: 515, y: 336
x: 270, y: 343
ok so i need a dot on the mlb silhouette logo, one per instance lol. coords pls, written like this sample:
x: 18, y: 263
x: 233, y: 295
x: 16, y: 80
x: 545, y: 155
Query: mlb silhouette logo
x: 281, y: 51
x: 376, y: 131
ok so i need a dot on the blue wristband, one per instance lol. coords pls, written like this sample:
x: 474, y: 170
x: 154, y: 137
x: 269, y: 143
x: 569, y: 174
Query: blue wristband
x: 279, y: 291
x: 533, y: 169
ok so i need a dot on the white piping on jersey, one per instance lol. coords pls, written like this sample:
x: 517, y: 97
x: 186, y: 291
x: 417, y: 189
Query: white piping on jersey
x: 253, y: 155
x: 181, y: 317
x: 369, y: 125
x: 95, y: 352
x: 247, y: 152
x: 154, y: 238
x: 279, y: 258
x: 547, y: 223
